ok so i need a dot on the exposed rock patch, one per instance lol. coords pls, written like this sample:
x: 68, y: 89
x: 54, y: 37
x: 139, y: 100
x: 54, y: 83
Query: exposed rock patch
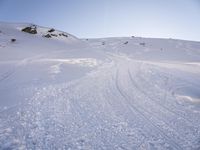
x: 13, y: 40
x: 143, y: 44
x: 50, y: 33
x: 32, y: 29
x: 47, y: 36
x: 51, y: 30
x: 54, y: 35
x: 126, y: 42
x: 63, y: 34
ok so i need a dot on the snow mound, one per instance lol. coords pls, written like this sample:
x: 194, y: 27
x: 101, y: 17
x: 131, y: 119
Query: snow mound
x: 188, y: 93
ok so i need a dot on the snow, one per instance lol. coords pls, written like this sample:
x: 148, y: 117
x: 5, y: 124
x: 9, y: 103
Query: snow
x: 70, y: 93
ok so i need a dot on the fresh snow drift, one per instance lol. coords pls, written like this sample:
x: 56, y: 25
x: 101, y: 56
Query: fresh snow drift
x: 61, y: 92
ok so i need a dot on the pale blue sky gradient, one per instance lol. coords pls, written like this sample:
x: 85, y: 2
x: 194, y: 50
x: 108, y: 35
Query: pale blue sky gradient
x: 178, y: 19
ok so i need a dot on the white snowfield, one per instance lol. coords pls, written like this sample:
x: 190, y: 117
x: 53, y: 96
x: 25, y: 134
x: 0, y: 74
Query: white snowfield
x: 93, y: 94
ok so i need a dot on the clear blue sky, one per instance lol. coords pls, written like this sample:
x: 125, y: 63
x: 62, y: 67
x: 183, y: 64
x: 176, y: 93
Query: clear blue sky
x: 106, y: 18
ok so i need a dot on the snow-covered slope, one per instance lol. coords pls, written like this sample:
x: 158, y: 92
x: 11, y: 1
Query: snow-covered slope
x: 114, y: 93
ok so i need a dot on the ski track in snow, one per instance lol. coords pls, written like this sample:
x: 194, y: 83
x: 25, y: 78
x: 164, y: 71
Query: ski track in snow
x: 119, y: 102
x: 89, y: 116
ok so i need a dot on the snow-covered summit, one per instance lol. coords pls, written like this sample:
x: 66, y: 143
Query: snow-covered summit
x: 15, y: 28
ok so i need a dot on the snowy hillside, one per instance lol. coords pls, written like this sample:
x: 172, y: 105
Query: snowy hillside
x: 61, y: 92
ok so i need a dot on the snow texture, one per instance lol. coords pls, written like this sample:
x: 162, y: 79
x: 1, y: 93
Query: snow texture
x: 70, y: 93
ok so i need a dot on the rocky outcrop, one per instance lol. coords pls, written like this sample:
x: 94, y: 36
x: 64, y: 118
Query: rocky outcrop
x: 50, y: 33
x: 47, y: 36
x: 31, y: 29
x: 51, y: 30
x: 54, y: 35
x: 63, y: 34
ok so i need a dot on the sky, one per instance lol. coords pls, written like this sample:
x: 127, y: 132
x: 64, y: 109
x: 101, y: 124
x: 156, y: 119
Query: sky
x: 179, y: 19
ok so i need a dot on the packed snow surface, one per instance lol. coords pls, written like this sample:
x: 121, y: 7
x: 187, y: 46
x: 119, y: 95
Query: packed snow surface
x: 113, y: 93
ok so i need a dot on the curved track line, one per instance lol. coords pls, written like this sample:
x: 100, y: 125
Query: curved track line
x: 155, y: 102
x: 134, y: 108
x: 167, y: 123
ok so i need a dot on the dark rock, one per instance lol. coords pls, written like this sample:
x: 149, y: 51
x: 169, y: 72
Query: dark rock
x: 51, y: 30
x: 13, y: 40
x: 126, y: 42
x: 103, y: 43
x: 47, y: 36
x: 54, y: 35
x: 143, y: 44
x: 31, y: 29
x: 63, y: 34
x: 132, y: 36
